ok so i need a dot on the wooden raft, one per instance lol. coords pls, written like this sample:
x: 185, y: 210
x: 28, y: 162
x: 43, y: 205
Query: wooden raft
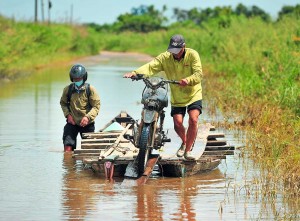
x: 97, y: 148
x: 95, y: 145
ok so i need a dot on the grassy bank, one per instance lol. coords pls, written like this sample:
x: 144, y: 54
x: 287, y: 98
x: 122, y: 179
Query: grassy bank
x: 252, y: 73
x: 26, y: 46
x: 258, y: 87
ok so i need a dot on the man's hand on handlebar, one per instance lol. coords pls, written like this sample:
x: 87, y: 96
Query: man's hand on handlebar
x: 129, y: 75
x: 134, y: 76
x: 183, y: 82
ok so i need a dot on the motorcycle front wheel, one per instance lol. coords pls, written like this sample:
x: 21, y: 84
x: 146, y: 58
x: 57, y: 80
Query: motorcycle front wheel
x: 145, y: 151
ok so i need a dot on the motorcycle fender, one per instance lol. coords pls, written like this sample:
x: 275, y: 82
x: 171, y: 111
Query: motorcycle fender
x: 149, y: 116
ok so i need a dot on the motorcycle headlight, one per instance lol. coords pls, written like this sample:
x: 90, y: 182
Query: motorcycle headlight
x: 155, y: 81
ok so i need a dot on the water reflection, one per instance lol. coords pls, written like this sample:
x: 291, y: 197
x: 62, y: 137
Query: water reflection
x: 148, y: 206
x: 74, y: 204
x: 85, y: 196
x: 174, y: 198
x: 79, y: 189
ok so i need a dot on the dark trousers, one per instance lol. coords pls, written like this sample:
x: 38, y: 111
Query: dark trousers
x: 71, y: 132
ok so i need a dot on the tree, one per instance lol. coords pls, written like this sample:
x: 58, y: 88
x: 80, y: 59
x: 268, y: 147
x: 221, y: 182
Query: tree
x: 289, y: 11
x: 198, y: 16
x: 242, y: 10
x: 141, y: 19
x: 221, y: 15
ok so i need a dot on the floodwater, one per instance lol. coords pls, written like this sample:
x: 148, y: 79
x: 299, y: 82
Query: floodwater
x: 38, y: 181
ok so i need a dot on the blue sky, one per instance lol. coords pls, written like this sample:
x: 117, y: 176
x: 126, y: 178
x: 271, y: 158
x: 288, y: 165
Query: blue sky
x: 106, y: 11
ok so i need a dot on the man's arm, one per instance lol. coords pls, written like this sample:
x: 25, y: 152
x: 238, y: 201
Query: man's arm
x: 197, y: 75
x: 95, y: 103
x: 65, y: 106
x: 153, y: 67
x: 64, y: 102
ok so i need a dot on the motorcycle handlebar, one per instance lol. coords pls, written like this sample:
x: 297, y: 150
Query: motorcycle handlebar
x: 172, y: 82
x: 137, y: 77
x: 141, y: 77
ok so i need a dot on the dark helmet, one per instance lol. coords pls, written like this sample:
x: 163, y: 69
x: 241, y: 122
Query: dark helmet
x: 78, y: 71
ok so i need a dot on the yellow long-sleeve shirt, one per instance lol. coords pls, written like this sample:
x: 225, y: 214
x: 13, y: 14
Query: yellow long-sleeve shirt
x: 188, y: 68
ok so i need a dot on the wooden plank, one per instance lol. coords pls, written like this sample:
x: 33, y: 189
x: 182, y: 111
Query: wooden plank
x: 85, y: 155
x: 124, y: 119
x: 212, y: 136
x: 118, y: 118
x: 187, y: 168
x: 115, y: 144
x: 201, y: 140
x: 80, y: 151
x: 212, y: 128
x: 216, y: 142
x: 216, y: 148
x: 95, y: 145
x: 99, y: 145
x: 102, y: 140
x: 198, y: 148
x: 213, y: 156
x: 111, y: 158
x: 100, y: 135
x: 95, y: 159
x: 220, y: 152
x: 121, y: 159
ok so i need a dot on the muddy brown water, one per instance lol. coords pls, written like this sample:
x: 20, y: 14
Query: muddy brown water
x: 40, y: 182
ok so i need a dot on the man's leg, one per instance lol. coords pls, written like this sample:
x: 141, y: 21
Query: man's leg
x: 178, y: 126
x: 69, y: 137
x: 67, y: 148
x: 192, y: 129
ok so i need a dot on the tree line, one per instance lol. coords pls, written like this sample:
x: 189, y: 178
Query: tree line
x: 147, y: 18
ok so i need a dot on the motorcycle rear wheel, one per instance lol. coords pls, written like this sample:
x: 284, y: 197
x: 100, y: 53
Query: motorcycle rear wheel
x: 144, y: 151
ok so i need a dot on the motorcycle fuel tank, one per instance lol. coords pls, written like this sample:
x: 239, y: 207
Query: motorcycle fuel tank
x: 159, y: 95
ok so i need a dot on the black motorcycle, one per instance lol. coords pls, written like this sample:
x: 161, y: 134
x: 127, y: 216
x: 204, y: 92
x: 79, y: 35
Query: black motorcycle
x: 149, y: 133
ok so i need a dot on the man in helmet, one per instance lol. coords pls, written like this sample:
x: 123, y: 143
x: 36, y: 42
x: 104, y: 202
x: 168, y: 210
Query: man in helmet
x: 80, y: 104
x: 184, y: 65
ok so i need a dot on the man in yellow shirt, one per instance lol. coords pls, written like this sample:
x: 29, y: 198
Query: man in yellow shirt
x: 184, y: 65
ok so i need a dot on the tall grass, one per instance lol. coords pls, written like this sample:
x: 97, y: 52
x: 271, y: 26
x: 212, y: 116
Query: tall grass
x: 258, y: 79
x: 25, y: 45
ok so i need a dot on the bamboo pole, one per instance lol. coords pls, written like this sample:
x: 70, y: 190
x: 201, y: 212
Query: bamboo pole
x: 114, y: 145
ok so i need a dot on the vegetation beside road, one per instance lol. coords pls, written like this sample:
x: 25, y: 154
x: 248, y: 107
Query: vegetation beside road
x: 28, y: 46
x: 251, y: 66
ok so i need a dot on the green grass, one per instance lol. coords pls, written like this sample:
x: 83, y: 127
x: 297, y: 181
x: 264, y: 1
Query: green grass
x: 25, y: 46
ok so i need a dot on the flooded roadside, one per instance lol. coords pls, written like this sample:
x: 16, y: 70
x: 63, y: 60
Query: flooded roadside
x: 39, y: 182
